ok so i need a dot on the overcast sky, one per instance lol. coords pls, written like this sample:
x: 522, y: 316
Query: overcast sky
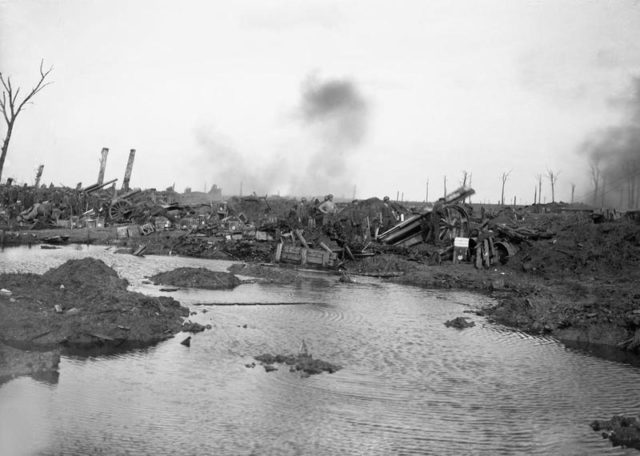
x: 311, y: 97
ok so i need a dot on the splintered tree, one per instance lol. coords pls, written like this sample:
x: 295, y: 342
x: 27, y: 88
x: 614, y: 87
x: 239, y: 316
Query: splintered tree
x: 539, y: 177
x: 503, y: 178
x: 594, y: 168
x: 553, y: 178
x: 11, y: 106
x: 573, y: 191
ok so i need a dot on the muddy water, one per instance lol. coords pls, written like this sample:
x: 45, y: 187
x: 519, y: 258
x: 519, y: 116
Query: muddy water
x: 409, y: 384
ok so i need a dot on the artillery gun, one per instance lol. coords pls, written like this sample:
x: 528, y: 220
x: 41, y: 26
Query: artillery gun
x: 452, y: 221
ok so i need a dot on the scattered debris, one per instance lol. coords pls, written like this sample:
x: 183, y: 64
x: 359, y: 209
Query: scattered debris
x: 139, y: 251
x: 460, y: 323
x: 303, y: 362
x: 621, y: 430
x: 193, y: 327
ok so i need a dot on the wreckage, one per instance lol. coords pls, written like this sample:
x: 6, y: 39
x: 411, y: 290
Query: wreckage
x: 452, y: 222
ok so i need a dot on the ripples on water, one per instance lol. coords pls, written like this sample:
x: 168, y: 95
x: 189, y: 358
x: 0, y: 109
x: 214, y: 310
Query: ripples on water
x: 409, y: 385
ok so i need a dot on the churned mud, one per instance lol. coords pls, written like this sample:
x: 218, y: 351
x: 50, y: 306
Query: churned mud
x: 197, y: 278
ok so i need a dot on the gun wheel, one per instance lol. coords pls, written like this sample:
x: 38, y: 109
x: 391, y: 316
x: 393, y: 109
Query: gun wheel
x: 454, y: 222
x: 120, y: 210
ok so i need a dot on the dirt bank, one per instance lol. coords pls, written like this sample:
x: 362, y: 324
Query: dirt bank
x: 82, y: 303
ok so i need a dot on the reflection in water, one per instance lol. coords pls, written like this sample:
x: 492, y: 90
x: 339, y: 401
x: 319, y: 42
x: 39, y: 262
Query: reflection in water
x: 409, y: 384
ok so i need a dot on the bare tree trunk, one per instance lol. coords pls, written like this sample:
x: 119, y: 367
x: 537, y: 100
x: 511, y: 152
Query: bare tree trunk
x: 573, y: 190
x: 539, y: 188
x: 503, y: 178
x: 5, y: 147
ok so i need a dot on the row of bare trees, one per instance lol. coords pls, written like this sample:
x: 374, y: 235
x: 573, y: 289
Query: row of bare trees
x: 537, y: 194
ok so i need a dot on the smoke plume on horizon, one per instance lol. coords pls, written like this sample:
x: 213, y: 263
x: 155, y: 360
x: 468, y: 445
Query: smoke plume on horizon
x: 614, y: 155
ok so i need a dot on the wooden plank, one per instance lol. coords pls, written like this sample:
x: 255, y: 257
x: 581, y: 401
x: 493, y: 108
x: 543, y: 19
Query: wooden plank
x: 492, y: 252
x: 302, y: 239
x: 139, y: 250
x: 348, y: 250
x: 278, y: 252
x: 411, y: 240
x: 485, y: 253
x: 325, y: 247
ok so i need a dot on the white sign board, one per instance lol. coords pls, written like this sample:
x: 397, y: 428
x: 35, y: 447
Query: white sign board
x: 461, y: 242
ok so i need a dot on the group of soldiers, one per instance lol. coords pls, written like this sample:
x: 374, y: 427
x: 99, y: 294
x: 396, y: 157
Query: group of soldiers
x: 355, y: 217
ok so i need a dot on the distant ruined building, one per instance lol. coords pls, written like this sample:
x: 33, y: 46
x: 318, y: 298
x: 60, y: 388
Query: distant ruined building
x: 215, y: 193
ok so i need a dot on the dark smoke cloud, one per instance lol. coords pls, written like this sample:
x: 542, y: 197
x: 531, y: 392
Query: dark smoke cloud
x: 336, y: 112
x: 616, y: 150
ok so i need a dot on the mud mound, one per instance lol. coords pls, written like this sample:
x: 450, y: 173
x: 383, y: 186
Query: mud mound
x: 93, y: 308
x: 87, y: 272
x: 197, y: 278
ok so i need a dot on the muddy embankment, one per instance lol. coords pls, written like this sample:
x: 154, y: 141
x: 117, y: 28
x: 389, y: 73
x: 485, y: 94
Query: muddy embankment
x: 81, y: 304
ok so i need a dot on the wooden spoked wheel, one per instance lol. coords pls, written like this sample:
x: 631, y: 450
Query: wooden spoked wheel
x: 454, y: 222
x: 120, y: 210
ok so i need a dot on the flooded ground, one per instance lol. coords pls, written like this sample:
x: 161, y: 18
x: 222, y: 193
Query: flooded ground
x: 409, y: 385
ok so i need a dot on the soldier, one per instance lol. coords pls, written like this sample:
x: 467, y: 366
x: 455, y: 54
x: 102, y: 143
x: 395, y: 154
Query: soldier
x: 328, y: 209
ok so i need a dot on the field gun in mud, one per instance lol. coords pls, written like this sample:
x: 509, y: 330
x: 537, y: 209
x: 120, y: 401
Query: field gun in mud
x: 452, y: 220
x: 121, y: 207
